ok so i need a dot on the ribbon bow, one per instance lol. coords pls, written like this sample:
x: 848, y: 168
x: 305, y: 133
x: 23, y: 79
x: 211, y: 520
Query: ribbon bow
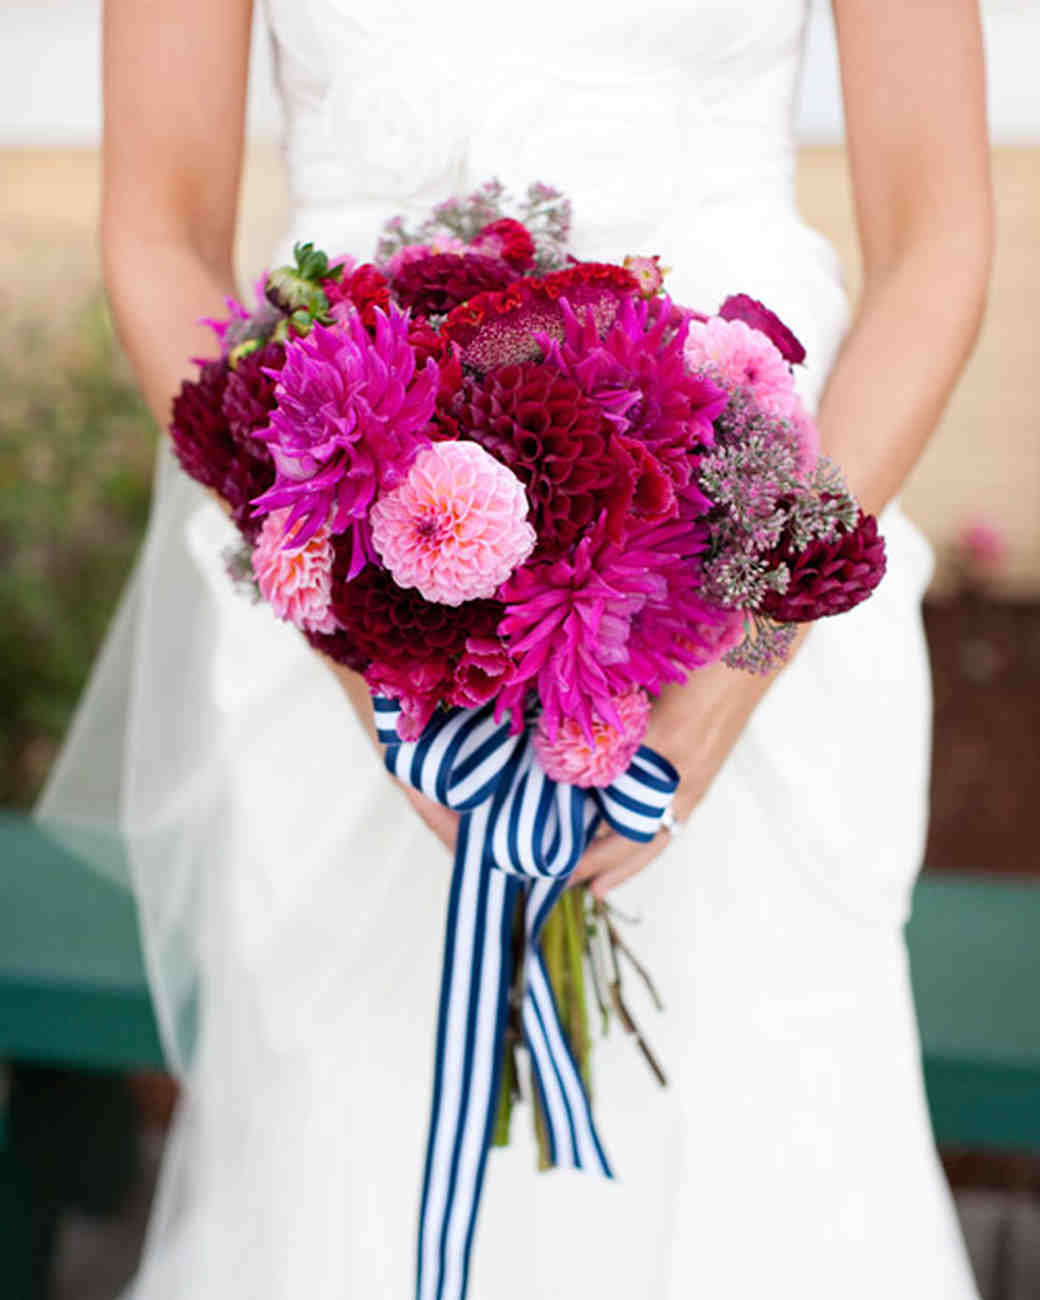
x: 521, y: 834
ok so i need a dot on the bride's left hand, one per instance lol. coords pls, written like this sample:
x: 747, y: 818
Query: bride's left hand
x: 695, y: 725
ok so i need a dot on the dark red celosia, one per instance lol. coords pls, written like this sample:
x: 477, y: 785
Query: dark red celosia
x: 495, y: 329
x: 555, y: 439
x: 508, y: 239
x: 828, y: 577
x: 741, y: 306
x: 249, y: 397
x: 366, y: 288
x: 205, y: 448
x: 434, y: 285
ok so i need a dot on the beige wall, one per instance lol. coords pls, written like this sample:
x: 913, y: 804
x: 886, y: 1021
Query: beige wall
x: 984, y: 460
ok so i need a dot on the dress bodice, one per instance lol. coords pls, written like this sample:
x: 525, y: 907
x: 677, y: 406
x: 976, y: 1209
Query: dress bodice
x: 669, y: 124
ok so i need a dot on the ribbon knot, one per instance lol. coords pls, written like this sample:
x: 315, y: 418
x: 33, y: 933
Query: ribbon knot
x: 520, y: 837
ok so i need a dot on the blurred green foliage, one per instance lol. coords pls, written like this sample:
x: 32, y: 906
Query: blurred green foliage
x: 76, y: 452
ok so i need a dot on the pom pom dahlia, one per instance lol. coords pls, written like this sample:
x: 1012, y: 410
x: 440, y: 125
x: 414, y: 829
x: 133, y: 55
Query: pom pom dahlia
x: 573, y: 758
x: 456, y: 527
x: 350, y: 417
x: 295, y: 581
x: 249, y: 397
x: 738, y: 356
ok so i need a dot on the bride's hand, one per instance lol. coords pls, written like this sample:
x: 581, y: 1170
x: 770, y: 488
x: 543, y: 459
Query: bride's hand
x: 695, y: 725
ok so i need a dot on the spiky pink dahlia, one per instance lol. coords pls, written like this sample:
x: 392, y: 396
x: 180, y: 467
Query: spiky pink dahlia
x: 296, y: 581
x: 350, y: 418
x: 573, y: 758
x: 456, y: 527
x: 737, y: 356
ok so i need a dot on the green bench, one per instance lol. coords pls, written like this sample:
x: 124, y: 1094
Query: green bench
x: 73, y: 991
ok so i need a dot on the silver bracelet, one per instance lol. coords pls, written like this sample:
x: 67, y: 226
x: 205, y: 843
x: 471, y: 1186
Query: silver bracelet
x: 671, y: 823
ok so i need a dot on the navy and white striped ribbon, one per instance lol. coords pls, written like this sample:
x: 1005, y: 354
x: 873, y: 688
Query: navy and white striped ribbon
x: 520, y: 837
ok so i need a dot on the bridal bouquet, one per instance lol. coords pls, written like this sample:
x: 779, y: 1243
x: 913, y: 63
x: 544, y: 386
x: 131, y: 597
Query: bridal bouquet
x: 520, y: 492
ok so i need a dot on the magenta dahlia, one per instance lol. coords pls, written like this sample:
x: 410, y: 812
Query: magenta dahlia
x: 567, y: 624
x: 828, y: 577
x: 350, y: 417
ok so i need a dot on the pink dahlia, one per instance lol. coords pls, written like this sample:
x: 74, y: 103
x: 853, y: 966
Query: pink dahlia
x: 737, y: 356
x: 457, y: 527
x: 351, y: 415
x: 296, y: 581
x: 573, y: 758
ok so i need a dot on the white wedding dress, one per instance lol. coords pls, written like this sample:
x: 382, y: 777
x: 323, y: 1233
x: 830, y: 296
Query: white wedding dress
x: 292, y: 905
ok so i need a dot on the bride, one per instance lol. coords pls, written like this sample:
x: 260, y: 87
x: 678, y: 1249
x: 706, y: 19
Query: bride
x: 291, y: 900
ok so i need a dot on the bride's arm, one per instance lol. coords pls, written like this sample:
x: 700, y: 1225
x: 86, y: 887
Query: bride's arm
x: 913, y: 81
x: 175, y: 74
x: 174, y: 94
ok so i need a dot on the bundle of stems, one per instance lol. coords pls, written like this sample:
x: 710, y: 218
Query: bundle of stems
x: 583, y: 948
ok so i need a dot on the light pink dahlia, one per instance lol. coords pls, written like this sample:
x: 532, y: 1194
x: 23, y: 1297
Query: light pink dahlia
x: 296, y: 581
x: 350, y: 415
x: 457, y: 527
x: 573, y: 758
x: 737, y: 356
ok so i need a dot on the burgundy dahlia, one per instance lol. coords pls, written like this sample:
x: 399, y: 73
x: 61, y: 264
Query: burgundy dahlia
x: 249, y: 397
x: 554, y: 439
x: 828, y: 577
x: 205, y: 448
x: 434, y: 285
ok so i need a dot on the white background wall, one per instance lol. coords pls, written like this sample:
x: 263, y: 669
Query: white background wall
x: 49, y: 84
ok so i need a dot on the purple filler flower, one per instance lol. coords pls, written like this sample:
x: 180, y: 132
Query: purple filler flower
x: 348, y: 423
x: 740, y: 306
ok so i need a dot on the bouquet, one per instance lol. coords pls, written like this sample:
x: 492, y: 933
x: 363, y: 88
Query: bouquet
x: 519, y: 492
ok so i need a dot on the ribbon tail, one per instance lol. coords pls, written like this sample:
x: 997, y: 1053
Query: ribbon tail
x: 467, y: 1073
x: 573, y: 1140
